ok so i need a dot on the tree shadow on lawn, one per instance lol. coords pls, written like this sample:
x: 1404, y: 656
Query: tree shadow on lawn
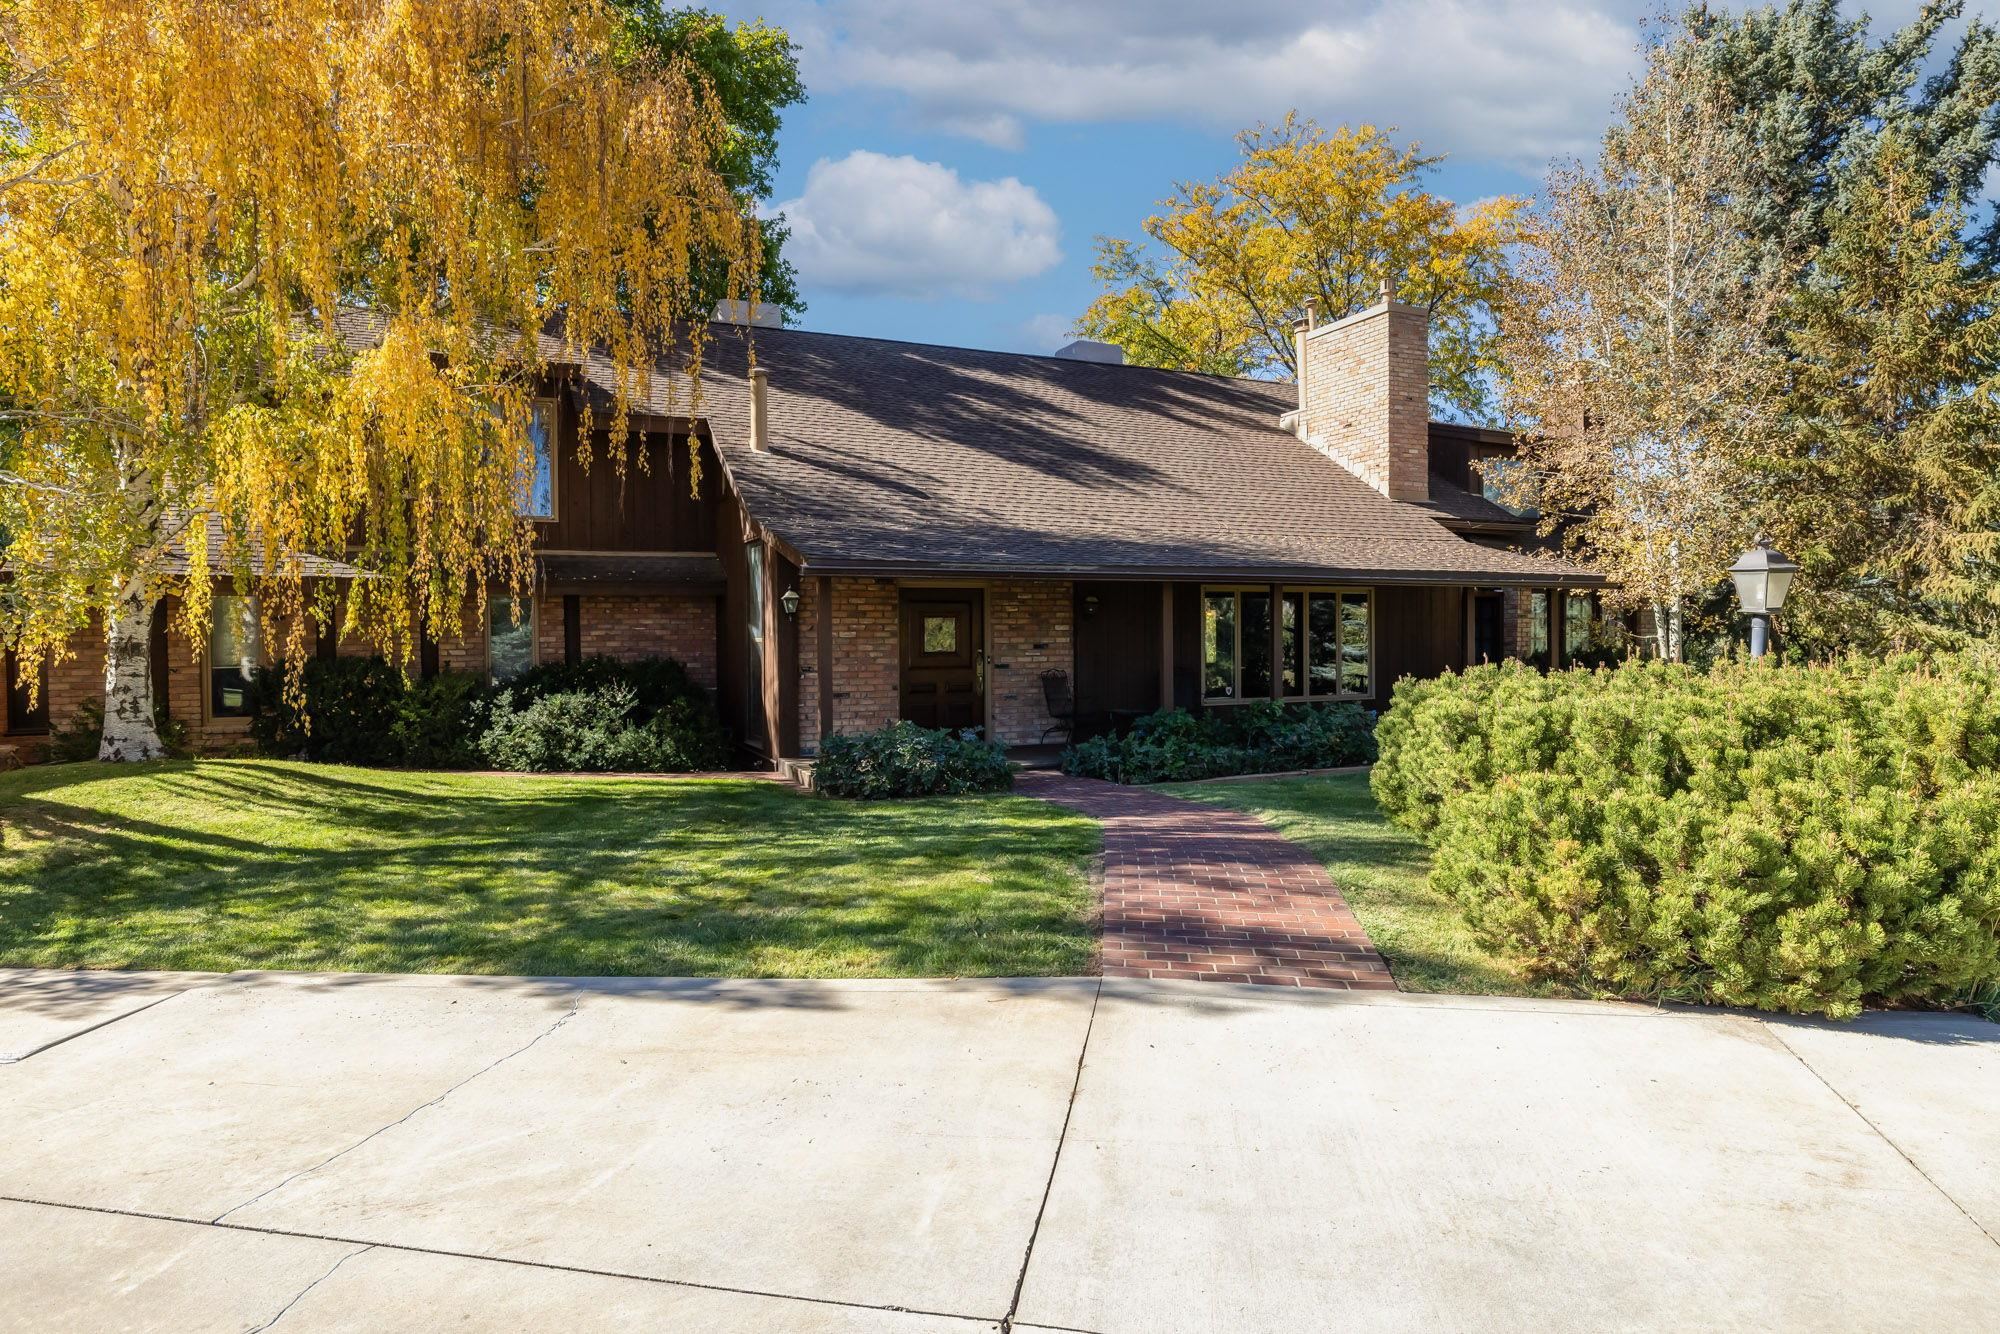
x: 219, y: 867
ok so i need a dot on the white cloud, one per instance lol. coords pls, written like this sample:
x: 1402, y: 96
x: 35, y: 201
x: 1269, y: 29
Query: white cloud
x: 1514, y: 80
x: 899, y: 226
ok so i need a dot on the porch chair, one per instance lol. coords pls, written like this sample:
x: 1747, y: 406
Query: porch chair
x: 1061, y: 704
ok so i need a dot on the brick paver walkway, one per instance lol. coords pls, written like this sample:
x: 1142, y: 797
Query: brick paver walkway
x: 1197, y: 891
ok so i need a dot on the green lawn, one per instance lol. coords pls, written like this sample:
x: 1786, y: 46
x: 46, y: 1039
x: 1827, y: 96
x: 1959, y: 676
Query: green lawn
x: 1380, y: 870
x: 221, y: 865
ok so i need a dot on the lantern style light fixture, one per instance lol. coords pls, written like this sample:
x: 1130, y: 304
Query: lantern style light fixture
x: 790, y: 601
x: 1763, y: 576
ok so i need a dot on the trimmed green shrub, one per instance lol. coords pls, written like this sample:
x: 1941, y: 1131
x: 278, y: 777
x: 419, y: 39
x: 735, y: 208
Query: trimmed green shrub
x: 905, y: 760
x: 366, y: 711
x: 1265, y: 737
x: 1805, y: 839
x: 644, y: 716
x: 600, y: 730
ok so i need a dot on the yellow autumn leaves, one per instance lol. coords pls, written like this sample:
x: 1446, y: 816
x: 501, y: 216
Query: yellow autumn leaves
x: 1307, y: 214
x: 286, y: 263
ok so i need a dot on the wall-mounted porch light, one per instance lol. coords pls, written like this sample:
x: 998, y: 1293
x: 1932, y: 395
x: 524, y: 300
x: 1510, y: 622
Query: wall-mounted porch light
x: 790, y: 601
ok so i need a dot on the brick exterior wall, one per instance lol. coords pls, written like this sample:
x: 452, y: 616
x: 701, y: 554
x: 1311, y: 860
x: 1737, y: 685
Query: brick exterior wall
x: 809, y: 612
x: 678, y: 627
x: 1030, y: 631
x: 867, y: 684
x: 1364, y: 397
x: 78, y: 678
x: 664, y: 626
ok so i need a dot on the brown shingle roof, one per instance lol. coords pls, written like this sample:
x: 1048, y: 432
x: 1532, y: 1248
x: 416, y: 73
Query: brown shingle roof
x: 889, y: 456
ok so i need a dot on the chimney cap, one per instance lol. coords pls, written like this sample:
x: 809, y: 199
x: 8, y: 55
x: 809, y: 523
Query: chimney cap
x: 754, y: 314
x: 1388, y: 288
x: 1089, y: 349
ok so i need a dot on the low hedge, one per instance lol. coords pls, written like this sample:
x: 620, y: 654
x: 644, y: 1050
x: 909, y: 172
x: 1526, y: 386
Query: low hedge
x: 1796, y: 838
x: 599, y: 714
x: 905, y: 760
x: 1265, y: 737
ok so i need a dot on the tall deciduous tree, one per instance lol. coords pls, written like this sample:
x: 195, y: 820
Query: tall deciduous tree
x: 1639, y: 356
x: 1309, y: 214
x: 227, y: 194
x: 751, y: 69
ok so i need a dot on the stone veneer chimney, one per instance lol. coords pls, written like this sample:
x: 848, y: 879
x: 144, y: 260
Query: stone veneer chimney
x: 1365, y: 394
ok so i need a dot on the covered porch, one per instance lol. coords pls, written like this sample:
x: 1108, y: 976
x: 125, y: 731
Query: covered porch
x: 862, y: 652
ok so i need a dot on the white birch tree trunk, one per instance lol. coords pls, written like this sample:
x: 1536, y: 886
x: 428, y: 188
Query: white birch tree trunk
x: 129, y: 730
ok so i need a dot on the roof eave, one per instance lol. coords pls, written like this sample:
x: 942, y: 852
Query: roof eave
x: 1556, y: 577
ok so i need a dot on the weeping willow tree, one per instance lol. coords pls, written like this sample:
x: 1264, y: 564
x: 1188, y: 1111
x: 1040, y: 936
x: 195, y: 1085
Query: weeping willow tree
x: 279, y: 277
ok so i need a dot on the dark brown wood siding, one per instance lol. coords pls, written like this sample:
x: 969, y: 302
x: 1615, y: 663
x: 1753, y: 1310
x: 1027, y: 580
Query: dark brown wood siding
x: 1418, y: 632
x: 782, y: 660
x: 732, y: 695
x: 1117, y: 647
x: 1187, y: 646
x: 650, y: 509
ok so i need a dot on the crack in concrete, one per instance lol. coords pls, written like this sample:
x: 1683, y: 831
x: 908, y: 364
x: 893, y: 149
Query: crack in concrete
x: 301, y: 1294
x: 549, y: 1265
x: 1055, y: 1160
x: 1778, y: 1033
x: 102, y: 1024
x: 575, y: 1002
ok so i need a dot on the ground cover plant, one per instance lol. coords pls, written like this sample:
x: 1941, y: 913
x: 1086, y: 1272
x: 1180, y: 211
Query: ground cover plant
x: 905, y: 760
x: 1265, y: 737
x: 218, y: 865
x: 1807, y: 839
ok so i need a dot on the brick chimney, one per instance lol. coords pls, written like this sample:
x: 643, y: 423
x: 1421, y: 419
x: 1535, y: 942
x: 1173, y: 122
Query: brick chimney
x: 1365, y: 394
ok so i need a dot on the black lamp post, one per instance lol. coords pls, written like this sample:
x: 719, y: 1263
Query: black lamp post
x: 1763, y: 576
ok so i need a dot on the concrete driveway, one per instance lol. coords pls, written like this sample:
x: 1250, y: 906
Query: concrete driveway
x: 352, y: 1153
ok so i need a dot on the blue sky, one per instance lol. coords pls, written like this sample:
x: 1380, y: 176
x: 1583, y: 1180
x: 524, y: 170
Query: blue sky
x: 957, y: 157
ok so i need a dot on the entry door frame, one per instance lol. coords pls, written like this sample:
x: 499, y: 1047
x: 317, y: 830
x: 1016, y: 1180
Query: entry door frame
x: 910, y: 591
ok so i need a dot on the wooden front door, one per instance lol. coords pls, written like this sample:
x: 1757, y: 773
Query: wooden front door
x: 944, y: 657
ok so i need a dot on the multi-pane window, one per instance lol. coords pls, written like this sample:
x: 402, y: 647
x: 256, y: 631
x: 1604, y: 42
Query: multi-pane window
x: 538, y: 499
x: 510, y: 637
x: 1323, y: 648
x: 1578, y: 609
x: 235, y: 648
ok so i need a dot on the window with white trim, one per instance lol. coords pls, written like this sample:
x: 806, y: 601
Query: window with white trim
x: 1324, y: 643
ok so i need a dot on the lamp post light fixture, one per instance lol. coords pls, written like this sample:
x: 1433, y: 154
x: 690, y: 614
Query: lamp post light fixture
x: 1763, y: 576
x: 790, y: 601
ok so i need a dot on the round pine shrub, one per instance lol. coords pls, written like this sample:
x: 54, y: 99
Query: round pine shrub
x: 905, y: 760
x: 1795, y: 838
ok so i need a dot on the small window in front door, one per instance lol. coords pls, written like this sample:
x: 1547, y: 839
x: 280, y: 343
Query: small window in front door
x: 940, y: 634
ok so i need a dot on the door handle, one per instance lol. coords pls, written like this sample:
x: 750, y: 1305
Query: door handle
x: 979, y: 671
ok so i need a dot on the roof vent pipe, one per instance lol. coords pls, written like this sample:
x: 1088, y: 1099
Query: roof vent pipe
x: 760, y: 411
